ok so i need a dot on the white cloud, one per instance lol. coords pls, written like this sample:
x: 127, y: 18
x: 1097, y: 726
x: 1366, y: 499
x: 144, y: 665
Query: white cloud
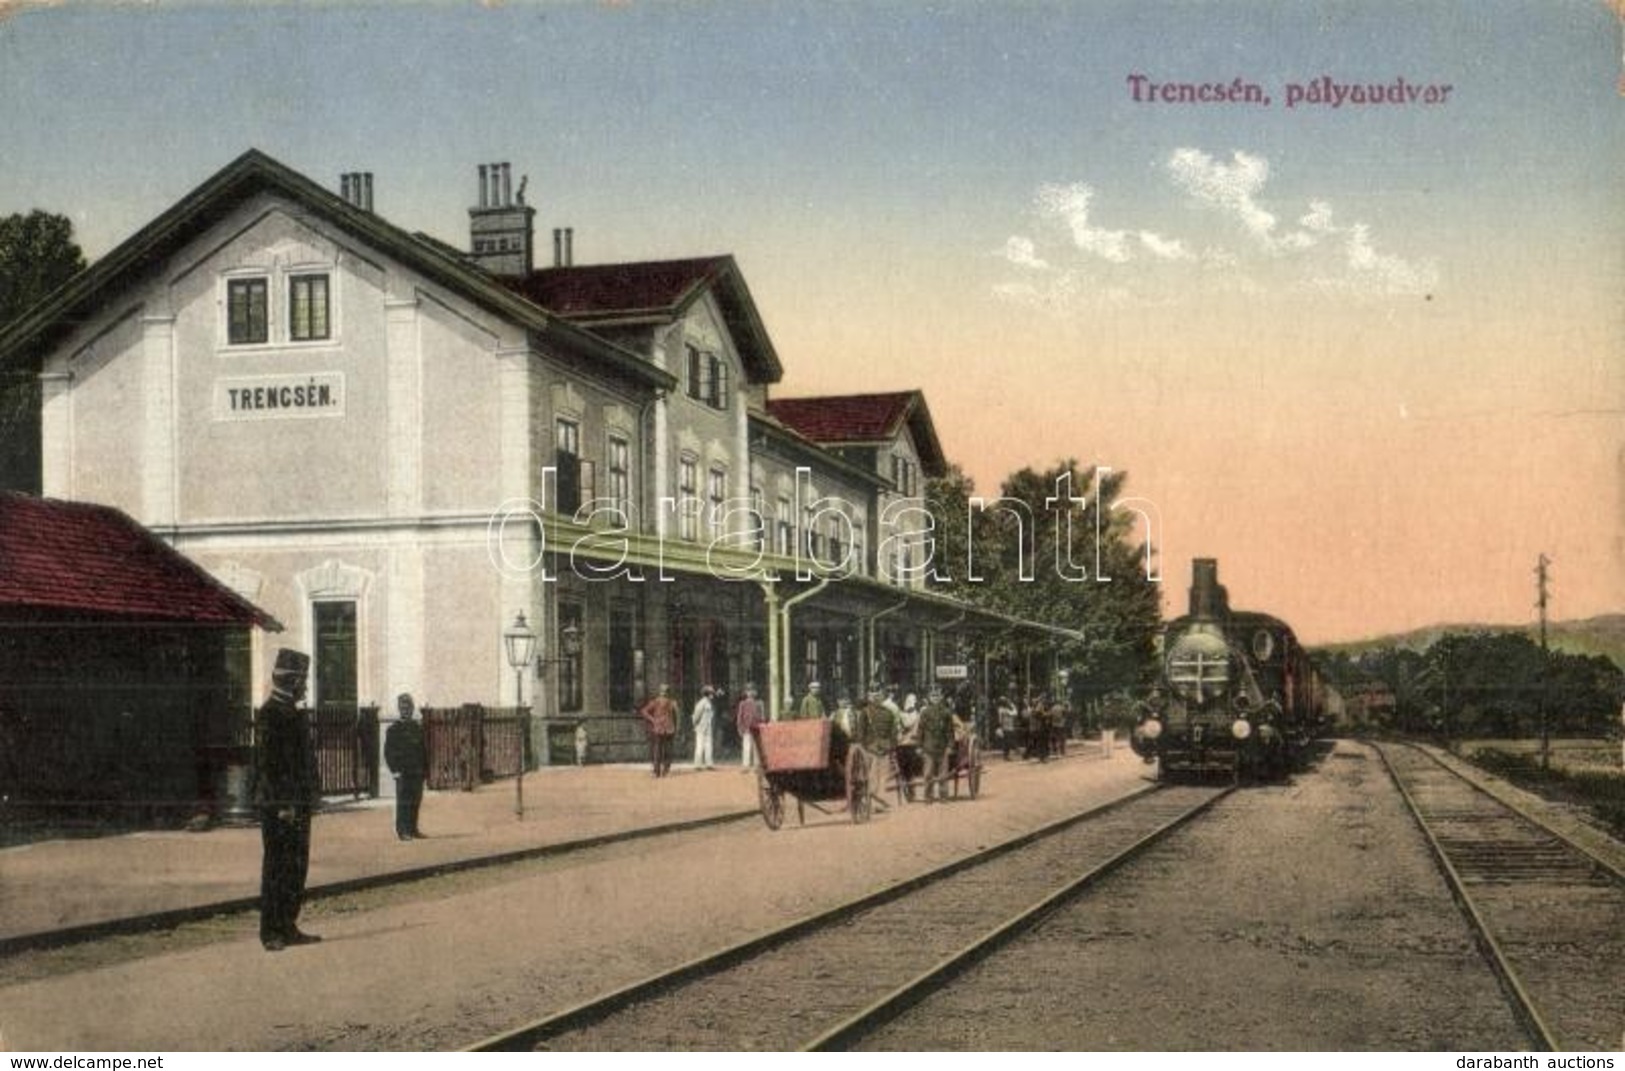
x: 1070, y: 205
x: 1165, y: 248
x: 1021, y: 252
x: 1319, y: 218
x: 1229, y: 186
x: 1381, y: 272
x: 1072, y: 259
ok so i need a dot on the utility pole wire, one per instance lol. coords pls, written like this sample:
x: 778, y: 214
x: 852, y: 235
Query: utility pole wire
x: 1543, y: 595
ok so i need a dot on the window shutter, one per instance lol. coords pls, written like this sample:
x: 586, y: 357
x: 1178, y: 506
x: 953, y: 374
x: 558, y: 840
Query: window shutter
x: 723, y: 372
x: 569, y: 482
x: 587, y: 489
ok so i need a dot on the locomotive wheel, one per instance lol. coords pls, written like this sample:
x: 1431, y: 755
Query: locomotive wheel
x: 771, y: 801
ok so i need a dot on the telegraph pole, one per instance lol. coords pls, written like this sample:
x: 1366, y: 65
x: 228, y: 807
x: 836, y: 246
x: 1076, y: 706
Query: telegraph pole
x: 1542, y: 596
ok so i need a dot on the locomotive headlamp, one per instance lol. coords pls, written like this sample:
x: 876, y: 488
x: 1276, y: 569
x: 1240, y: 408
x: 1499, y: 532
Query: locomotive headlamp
x: 1151, y: 729
x: 1241, y: 728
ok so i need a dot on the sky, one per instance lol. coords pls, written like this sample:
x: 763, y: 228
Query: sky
x: 1370, y: 356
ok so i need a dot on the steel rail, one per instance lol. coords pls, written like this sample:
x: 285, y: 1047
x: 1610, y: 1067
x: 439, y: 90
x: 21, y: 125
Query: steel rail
x: 1607, y: 865
x: 597, y: 1009
x: 1523, y: 1006
x: 944, y: 971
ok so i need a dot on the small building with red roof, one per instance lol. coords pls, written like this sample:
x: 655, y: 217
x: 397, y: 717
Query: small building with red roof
x: 124, y: 672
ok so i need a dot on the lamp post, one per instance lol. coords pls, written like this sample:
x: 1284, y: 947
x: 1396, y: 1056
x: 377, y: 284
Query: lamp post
x: 520, y: 643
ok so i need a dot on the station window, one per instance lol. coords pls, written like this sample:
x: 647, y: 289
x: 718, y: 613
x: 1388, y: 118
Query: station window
x: 620, y: 474
x: 688, y: 475
x: 707, y: 378
x: 717, y: 492
x: 247, y: 304
x: 308, y: 308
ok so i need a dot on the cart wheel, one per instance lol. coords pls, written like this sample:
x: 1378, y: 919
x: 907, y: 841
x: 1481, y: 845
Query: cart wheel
x: 771, y: 801
x: 974, y: 769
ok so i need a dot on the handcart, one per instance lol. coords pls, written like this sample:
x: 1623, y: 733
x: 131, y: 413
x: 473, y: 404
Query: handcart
x: 814, y: 762
x: 907, y: 769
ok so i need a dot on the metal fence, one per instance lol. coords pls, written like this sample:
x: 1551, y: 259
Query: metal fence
x: 346, y: 748
x: 471, y: 744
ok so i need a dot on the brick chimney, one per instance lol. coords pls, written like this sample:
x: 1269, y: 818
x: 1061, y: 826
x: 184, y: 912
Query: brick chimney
x: 356, y: 188
x: 501, y: 226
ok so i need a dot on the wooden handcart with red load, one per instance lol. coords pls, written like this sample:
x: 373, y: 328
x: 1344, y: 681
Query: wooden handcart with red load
x: 815, y: 763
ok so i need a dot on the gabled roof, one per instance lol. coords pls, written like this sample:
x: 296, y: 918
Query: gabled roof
x: 865, y: 420
x: 655, y: 292
x: 252, y: 173
x: 86, y: 560
x: 776, y: 432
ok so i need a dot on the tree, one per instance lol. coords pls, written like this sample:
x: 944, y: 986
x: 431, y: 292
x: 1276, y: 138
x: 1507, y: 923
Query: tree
x: 1033, y: 553
x: 37, y: 255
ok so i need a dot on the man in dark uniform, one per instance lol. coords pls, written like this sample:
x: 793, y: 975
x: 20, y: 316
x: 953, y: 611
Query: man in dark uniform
x: 936, y: 737
x: 874, y: 726
x: 660, y: 718
x: 404, y: 754
x: 286, y: 787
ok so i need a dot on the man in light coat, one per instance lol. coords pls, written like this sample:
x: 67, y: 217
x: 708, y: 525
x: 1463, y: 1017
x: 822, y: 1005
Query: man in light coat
x: 702, y: 718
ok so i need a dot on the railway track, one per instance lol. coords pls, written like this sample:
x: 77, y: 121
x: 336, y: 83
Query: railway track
x: 1547, y: 914
x: 838, y: 974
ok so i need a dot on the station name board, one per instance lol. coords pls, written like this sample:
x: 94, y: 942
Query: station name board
x: 268, y: 397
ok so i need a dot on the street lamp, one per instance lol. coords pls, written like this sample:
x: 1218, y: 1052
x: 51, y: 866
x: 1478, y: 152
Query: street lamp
x: 569, y: 644
x: 520, y: 643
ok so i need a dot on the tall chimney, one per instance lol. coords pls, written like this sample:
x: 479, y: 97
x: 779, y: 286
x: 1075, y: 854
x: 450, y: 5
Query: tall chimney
x: 501, y: 230
x: 355, y: 187
x: 558, y: 248
x: 569, y: 247
x: 1208, y: 597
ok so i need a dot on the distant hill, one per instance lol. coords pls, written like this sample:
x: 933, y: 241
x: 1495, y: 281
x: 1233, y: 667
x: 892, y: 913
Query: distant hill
x: 1603, y: 635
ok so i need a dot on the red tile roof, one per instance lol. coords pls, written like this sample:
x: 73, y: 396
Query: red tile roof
x: 654, y: 291
x: 600, y: 290
x: 846, y: 418
x: 90, y: 560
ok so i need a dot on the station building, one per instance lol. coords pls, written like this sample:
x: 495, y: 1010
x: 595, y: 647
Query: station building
x: 397, y: 447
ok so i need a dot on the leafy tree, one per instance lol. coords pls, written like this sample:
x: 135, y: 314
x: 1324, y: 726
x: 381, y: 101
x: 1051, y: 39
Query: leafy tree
x: 37, y: 254
x: 1033, y: 553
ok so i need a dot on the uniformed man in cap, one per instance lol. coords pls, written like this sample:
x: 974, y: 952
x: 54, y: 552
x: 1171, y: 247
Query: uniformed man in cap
x: 936, y: 737
x: 811, y: 705
x: 875, y: 727
x: 407, y: 759
x: 286, y: 789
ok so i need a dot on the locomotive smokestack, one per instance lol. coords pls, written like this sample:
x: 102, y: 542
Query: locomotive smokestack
x: 1208, y: 597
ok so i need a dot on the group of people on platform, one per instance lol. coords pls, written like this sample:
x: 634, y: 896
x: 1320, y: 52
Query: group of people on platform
x: 287, y: 785
x: 922, y: 734
x: 1037, y: 728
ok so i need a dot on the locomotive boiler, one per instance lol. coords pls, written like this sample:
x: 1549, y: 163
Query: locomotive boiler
x: 1237, y: 695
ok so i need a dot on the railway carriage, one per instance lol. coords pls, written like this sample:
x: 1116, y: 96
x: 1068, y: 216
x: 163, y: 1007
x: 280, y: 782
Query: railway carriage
x: 1238, y: 694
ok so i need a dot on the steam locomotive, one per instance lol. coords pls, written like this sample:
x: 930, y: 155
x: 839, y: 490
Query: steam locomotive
x: 1238, y: 694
